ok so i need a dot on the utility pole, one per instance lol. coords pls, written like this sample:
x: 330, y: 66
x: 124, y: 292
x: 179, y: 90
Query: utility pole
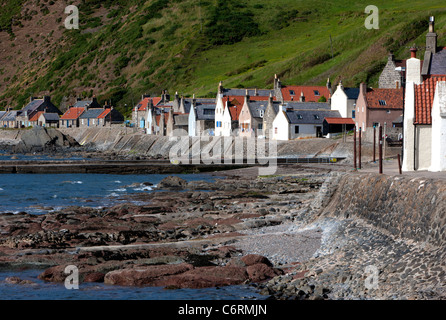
x: 380, y: 149
x: 374, y: 144
x: 359, y: 160
x: 354, y: 148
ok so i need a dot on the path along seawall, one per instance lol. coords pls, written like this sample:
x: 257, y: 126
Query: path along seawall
x: 383, y: 237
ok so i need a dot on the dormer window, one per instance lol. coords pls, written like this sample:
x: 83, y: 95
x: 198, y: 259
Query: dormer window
x: 292, y: 92
x: 300, y: 117
x: 316, y: 117
x: 262, y: 113
x: 316, y: 93
x: 382, y: 102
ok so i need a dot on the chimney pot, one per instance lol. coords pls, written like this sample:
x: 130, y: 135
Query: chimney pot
x: 413, y: 52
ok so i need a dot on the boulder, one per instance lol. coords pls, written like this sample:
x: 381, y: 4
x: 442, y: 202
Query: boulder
x: 252, y: 259
x: 40, y: 139
x: 172, y: 182
x: 261, y: 272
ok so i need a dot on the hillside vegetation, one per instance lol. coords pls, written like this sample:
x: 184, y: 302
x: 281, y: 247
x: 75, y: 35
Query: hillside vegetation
x: 127, y: 48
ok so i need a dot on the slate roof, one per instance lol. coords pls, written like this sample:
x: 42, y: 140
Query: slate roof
x: 205, y: 111
x: 33, y: 105
x: 293, y: 93
x: 255, y: 107
x: 251, y: 92
x: 181, y: 119
x: 310, y: 116
x: 424, y: 99
x: 10, y: 115
x: 438, y: 63
x: 302, y: 106
x: 72, y: 113
x: 51, y: 116
x: 384, y: 98
x: 2, y: 114
x: 92, y: 113
x: 352, y: 93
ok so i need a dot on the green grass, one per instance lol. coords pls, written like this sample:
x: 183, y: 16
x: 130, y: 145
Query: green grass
x: 178, y: 45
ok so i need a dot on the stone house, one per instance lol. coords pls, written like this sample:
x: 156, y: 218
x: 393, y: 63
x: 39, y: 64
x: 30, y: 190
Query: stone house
x: 389, y: 77
x: 9, y: 120
x: 48, y: 120
x: 34, y: 106
x: 202, y: 118
x: 252, y: 114
x: 70, y: 119
x: 375, y: 107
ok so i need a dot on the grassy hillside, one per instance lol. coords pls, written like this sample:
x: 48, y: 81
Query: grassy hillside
x: 126, y: 48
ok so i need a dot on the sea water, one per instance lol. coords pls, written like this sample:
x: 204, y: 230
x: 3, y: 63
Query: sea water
x: 41, y: 193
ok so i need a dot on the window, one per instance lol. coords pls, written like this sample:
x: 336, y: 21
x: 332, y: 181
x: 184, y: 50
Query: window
x: 316, y: 93
x: 260, y: 126
x: 316, y: 117
x: 353, y: 114
x: 262, y: 113
x: 388, y: 111
x: 300, y: 117
x: 292, y: 92
x: 296, y: 129
x: 382, y: 102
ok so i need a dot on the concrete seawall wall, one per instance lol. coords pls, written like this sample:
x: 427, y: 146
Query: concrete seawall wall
x: 406, y: 208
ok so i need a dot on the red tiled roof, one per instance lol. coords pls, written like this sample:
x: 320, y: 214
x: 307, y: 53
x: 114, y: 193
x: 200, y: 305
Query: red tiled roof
x: 309, y: 93
x: 340, y: 121
x: 36, y: 116
x: 104, y: 113
x: 72, y: 114
x: 424, y: 99
x: 145, y: 102
x: 385, y: 98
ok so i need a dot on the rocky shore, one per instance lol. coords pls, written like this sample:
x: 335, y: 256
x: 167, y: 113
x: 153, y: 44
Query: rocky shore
x: 300, y: 234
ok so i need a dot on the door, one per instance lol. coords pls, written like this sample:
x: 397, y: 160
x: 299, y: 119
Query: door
x: 319, y: 132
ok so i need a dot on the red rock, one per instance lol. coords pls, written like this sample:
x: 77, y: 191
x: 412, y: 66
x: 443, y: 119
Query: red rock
x: 141, y: 276
x: 94, y: 277
x: 252, y: 259
x: 260, y: 272
x: 206, y: 277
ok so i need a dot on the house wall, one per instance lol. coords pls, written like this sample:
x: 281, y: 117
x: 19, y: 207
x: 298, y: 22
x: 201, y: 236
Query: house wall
x: 361, y: 108
x: 423, y: 147
x: 408, y: 132
x: 438, y: 138
x: 390, y: 78
x: 227, y: 123
x: 245, y: 119
x: 280, y: 129
x: 381, y: 115
x: 339, y: 102
x: 305, y: 130
x: 219, y: 111
x: 268, y: 119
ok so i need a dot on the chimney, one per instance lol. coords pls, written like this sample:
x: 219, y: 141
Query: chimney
x: 413, y: 52
x: 302, y: 97
x: 362, y: 89
x: 256, y: 93
x: 413, y: 68
x: 431, y: 37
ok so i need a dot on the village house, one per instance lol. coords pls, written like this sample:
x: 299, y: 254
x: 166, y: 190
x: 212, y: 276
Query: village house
x: 376, y: 107
x: 99, y: 117
x: 70, y: 119
x: 202, y: 118
x: 9, y: 119
x: 34, y: 106
x: 344, y: 100
x: 390, y: 77
x: 290, y: 124
x: 142, y: 113
x: 48, y: 120
x: 425, y: 109
x: 273, y: 106
x: 251, y: 115
x: 302, y: 93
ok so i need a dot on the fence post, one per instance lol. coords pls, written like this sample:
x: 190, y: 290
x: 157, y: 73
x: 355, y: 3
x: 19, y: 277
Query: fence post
x: 354, y: 148
x: 380, y: 149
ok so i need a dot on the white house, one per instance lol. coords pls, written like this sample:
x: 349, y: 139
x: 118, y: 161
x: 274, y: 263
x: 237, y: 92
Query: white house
x: 291, y: 124
x: 344, y: 101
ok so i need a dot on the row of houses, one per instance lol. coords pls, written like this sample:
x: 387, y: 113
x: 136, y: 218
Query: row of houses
x: 42, y: 112
x: 281, y: 113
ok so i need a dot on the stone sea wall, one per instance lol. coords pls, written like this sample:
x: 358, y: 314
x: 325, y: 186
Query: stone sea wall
x: 410, y: 208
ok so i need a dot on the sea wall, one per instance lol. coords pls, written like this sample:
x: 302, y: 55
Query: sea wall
x: 410, y: 208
